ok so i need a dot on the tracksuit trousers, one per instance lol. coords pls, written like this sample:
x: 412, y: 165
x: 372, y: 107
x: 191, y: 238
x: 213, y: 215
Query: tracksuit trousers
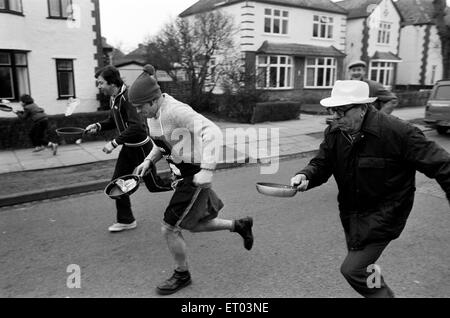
x: 129, y: 158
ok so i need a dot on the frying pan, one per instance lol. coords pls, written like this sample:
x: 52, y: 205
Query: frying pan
x: 71, y: 133
x: 6, y: 108
x: 115, y: 192
x: 276, y: 190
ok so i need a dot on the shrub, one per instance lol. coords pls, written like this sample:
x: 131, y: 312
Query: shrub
x: 275, y: 111
x: 413, y: 98
x: 15, y: 132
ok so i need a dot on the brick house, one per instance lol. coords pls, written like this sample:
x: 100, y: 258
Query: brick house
x: 50, y: 49
x: 291, y: 60
x: 373, y: 35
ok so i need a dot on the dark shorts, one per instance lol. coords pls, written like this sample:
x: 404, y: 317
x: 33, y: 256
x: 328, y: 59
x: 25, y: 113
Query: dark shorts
x: 191, y: 205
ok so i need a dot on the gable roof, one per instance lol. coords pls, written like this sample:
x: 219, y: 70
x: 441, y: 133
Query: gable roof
x: 138, y: 56
x: 360, y: 8
x: 209, y: 5
x: 417, y: 12
x: 295, y: 49
x: 126, y: 62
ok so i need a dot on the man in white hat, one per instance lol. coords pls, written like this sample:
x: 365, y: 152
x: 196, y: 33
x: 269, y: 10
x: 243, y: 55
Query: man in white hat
x: 386, y: 100
x: 373, y: 158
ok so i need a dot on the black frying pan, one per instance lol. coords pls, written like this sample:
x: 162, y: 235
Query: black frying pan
x: 71, y: 133
x: 6, y: 108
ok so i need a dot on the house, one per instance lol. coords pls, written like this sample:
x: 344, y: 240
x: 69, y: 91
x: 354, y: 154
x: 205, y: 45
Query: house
x: 50, y: 49
x: 131, y: 66
x: 294, y: 48
x: 420, y: 45
x: 373, y: 35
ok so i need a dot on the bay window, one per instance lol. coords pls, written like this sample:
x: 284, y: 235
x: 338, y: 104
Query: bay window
x: 382, y: 72
x: 320, y: 72
x: 274, y: 71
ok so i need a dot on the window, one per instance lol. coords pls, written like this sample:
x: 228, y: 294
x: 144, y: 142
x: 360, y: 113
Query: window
x: 320, y: 72
x: 276, y: 21
x: 11, y: 6
x: 66, y: 83
x: 323, y: 27
x: 382, y: 72
x: 60, y: 9
x: 14, y: 80
x: 274, y: 71
x: 442, y: 92
x: 384, y: 33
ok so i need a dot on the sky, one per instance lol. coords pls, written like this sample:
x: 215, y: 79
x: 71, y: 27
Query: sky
x: 126, y: 23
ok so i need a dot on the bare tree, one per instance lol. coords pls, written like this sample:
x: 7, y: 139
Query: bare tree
x: 191, y: 44
x: 443, y: 27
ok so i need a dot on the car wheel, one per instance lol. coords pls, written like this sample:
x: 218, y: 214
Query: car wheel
x: 441, y: 130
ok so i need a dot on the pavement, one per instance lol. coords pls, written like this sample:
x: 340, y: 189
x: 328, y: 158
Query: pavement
x: 252, y: 144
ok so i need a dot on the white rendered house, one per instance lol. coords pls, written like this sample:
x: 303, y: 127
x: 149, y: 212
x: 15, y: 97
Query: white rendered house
x: 373, y: 35
x: 295, y: 48
x: 50, y: 49
x: 420, y: 45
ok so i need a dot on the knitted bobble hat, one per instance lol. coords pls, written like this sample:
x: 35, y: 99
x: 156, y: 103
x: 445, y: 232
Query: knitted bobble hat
x: 145, y: 89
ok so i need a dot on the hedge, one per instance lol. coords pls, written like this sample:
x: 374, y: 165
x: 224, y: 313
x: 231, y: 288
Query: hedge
x: 15, y: 132
x: 275, y: 111
x: 412, y: 98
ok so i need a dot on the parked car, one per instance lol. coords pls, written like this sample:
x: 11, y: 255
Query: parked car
x: 437, y: 111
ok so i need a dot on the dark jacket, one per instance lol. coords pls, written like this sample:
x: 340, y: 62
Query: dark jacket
x: 375, y: 175
x: 32, y: 111
x: 124, y: 117
x: 378, y: 90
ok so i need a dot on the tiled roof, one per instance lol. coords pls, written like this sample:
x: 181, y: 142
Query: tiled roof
x: 358, y: 8
x: 208, y: 5
x: 418, y: 12
x: 138, y: 56
x: 126, y: 61
x: 389, y: 56
x: 299, y: 49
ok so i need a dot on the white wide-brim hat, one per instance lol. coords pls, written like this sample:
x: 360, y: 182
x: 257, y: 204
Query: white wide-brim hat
x: 347, y: 93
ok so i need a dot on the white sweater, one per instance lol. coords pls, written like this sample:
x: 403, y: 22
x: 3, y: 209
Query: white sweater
x: 191, y: 137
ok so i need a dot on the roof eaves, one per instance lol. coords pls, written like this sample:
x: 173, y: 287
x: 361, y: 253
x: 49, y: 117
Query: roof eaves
x: 338, y: 9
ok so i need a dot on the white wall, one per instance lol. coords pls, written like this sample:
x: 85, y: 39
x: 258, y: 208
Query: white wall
x: 48, y: 39
x: 411, y: 51
x: 384, y: 12
x: 434, y: 58
x: 411, y: 48
x: 354, y: 46
x: 300, y: 26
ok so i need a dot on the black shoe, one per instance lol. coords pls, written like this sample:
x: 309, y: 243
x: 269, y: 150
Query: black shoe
x: 175, y: 283
x: 244, y: 228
